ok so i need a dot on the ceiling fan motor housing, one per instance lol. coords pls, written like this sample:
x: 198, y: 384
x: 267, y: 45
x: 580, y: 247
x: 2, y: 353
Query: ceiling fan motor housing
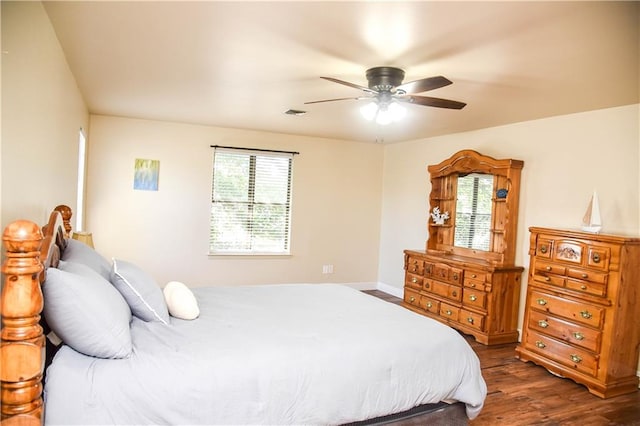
x: 384, y: 78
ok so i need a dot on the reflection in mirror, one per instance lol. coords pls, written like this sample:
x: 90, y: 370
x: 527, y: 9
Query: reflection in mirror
x: 473, y: 211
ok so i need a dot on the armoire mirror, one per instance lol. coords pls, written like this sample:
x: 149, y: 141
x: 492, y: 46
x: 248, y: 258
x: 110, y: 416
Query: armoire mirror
x: 473, y: 211
x: 481, y: 196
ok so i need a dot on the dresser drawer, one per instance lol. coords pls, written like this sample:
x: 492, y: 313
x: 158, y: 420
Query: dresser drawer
x: 415, y: 266
x: 598, y: 257
x: 571, y: 356
x: 471, y: 275
x: 569, y: 251
x: 550, y: 268
x: 596, y: 289
x: 587, y: 275
x: 575, y: 334
x: 544, y: 247
x: 476, y: 279
x: 475, y: 284
x: 475, y: 298
x: 444, y: 272
x: 442, y: 289
x: 449, y: 312
x: 412, y: 297
x: 429, y: 269
x: 456, y: 276
x: 441, y: 271
x: 413, y: 281
x: 583, y: 313
x: 472, y: 319
x: 429, y: 304
x: 546, y: 278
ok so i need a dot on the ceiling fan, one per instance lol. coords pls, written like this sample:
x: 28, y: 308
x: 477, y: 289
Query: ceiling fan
x: 386, y: 92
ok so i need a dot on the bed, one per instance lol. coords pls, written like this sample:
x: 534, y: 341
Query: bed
x: 272, y: 354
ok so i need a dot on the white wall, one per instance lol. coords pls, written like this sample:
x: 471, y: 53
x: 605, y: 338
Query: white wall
x: 337, y: 187
x: 42, y: 112
x: 565, y: 159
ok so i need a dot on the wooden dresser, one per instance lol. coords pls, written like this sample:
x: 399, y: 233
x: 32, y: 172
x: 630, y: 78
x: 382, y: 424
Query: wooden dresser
x: 468, y: 294
x: 582, y: 314
x: 466, y: 276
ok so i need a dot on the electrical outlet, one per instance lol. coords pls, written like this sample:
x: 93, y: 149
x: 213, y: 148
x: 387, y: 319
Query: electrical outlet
x: 327, y: 269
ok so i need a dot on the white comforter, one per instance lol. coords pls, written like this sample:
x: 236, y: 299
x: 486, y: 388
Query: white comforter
x: 282, y: 354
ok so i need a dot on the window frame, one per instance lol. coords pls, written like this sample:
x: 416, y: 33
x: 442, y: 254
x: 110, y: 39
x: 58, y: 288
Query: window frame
x: 251, y: 203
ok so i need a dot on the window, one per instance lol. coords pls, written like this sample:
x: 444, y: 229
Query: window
x: 79, y: 213
x: 251, y: 202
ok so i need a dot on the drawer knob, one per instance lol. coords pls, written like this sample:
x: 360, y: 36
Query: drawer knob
x: 548, y: 268
x: 429, y: 305
x: 414, y: 280
x: 473, y: 298
x: 543, y: 249
x: 547, y: 279
x: 412, y: 299
x: 470, y: 320
x: 585, y: 275
x: 454, y: 294
x: 473, y: 275
x: 575, y: 358
x: 543, y: 324
x: 578, y: 336
x: 455, y: 276
x: 426, y: 285
x: 448, y: 312
x: 540, y: 344
x: 583, y: 287
x: 596, y: 258
x: 541, y: 302
x: 473, y: 286
x: 586, y: 314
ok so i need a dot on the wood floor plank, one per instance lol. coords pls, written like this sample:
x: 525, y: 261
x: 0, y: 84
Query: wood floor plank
x: 522, y: 393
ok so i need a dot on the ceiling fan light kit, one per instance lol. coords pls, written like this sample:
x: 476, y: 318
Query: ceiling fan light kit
x: 383, y: 114
x: 385, y: 92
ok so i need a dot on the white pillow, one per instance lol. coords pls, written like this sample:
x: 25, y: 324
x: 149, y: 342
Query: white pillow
x: 140, y: 290
x: 181, y: 301
x: 86, y: 312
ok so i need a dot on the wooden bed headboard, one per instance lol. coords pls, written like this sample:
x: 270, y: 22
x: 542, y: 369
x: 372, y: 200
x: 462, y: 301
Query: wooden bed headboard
x: 29, y: 251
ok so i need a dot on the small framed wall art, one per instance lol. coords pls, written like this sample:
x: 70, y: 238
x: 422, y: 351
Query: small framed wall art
x: 146, y: 174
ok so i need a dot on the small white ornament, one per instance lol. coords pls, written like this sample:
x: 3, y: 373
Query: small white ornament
x: 439, y: 218
x: 592, y: 222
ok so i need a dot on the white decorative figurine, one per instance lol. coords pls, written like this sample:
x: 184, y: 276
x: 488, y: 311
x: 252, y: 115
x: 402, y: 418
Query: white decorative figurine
x: 439, y: 218
x: 592, y: 222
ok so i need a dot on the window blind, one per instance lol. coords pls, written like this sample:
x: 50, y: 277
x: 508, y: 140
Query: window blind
x: 250, y: 202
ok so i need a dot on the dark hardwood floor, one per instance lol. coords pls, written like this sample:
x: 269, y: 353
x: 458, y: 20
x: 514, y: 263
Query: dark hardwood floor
x: 522, y: 393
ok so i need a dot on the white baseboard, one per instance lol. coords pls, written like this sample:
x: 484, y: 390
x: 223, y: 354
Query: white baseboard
x: 362, y: 286
x: 392, y: 290
x: 385, y: 288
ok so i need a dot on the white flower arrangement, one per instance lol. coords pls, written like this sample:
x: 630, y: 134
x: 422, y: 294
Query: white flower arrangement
x: 439, y: 218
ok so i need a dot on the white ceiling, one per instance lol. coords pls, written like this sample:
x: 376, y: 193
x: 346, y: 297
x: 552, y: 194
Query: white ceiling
x: 243, y: 64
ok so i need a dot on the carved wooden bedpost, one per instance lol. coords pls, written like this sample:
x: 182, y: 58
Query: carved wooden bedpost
x: 22, y: 345
x: 66, y: 213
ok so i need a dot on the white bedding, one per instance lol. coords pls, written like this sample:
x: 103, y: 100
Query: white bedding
x: 281, y: 354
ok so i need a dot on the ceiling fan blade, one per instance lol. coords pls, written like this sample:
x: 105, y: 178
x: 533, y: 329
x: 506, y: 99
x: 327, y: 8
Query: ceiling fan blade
x: 331, y: 100
x: 425, y: 84
x: 346, y: 83
x: 433, y: 102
